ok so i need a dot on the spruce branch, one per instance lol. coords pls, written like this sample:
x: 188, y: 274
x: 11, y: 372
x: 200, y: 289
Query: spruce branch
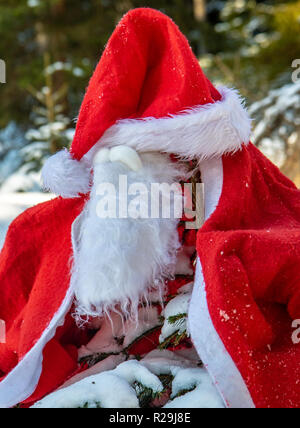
x: 176, y: 318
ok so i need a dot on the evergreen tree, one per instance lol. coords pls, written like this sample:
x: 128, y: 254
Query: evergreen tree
x: 260, y: 41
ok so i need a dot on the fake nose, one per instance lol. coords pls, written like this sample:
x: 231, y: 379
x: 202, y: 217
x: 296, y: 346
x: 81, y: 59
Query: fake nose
x: 123, y: 154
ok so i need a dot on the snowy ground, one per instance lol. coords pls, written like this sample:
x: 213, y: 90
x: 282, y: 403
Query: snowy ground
x: 13, y: 204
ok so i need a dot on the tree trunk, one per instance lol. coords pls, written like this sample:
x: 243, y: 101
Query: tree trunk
x: 200, y: 10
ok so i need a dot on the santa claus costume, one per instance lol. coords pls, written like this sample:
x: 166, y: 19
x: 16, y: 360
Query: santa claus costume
x: 149, y: 99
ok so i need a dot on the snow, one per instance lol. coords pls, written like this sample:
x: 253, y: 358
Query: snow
x: 104, y: 341
x: 111, y: 389
x: 13, y: 204
x: 183, y: 263
x: 22, y: 154
x: 148, y: 319
x: 177, y: 306
x: 160, y: 362
x: 9, y: 164
x: 184, y: 366
x: 114, y: 388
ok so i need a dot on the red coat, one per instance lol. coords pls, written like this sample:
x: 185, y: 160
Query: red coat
x: 246, y: 291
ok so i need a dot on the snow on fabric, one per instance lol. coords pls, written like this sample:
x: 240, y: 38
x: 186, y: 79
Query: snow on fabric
x: 114, y: 328
x: 201, y: 390
x: 100, y: 390
x: 277, y: 131
x: 210, y: 122
x: 13, y: 204
x: 257, y: 214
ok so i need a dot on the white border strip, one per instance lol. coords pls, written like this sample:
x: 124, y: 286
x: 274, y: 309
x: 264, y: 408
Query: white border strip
x: 207, y: 131
x: 209, y: 346
x: 22, y: 381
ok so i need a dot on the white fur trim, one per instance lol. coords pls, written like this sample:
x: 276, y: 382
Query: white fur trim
x: 198, y: 133
x: 102, y: 156
x: 65, y: 176
x: 209, y: 345
x: 21, y: 382
x: 123, y: 154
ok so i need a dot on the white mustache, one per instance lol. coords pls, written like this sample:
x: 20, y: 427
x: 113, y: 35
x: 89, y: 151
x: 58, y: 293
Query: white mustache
x: 123, y: 154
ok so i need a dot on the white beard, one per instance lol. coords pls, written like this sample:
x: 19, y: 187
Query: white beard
x: 118, y: 261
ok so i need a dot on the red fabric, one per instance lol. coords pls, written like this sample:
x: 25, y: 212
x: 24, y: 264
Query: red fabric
x: 147, y: 70
x: 250, y: 253
x: 34, y: 279
x: 146, y: 344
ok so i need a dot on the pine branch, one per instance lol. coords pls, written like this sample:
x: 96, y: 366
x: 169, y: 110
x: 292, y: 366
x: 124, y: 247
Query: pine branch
x: 93, y: 359
x: 173, y: 340
x: 175, y: 318
x: 180, y: 338
x: 184, y: 391
x: 142, y: 336
x: 87, y: 406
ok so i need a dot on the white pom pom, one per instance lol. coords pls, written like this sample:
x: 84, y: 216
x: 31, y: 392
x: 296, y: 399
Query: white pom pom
x: 65, y: 176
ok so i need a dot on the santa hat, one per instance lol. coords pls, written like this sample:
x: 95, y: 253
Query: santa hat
x: 149, y: 93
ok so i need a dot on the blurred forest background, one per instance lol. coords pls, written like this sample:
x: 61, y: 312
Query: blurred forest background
x: 52, y: 46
